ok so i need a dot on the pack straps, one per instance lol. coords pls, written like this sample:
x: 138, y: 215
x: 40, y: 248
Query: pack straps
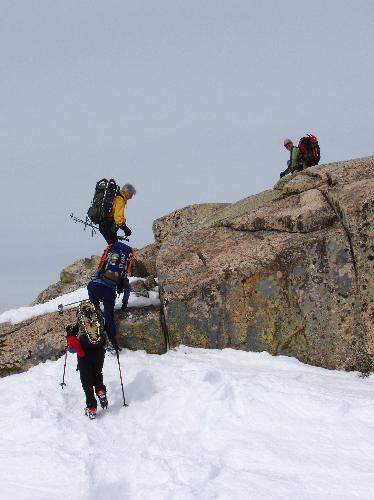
x: 103, y: 259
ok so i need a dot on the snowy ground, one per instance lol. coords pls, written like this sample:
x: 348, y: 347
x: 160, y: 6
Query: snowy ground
x: 202, y: 424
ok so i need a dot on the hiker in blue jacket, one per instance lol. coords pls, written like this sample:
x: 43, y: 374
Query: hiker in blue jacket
x: 110, y: 280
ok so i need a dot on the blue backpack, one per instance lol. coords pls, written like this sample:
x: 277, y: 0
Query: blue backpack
x: 115, y: 264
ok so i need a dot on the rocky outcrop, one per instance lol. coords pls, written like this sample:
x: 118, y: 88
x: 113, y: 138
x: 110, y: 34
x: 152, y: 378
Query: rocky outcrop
x: 145, y: 262
x: 141, y: 329
x: 29, y: 343
x: 72, y: 277
x: 79, y: 273
x: 289, y: 271
x: 184, y: 220
x: 26, y: 344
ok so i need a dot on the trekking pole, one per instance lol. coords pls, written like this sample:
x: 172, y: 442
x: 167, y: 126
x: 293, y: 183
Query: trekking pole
x: 63, y: 376
x: 60, y: 307
x: 120, y: 375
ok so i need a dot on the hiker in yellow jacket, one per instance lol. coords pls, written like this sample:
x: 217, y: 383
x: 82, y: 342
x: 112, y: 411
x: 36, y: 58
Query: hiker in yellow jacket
x: 116, y: 219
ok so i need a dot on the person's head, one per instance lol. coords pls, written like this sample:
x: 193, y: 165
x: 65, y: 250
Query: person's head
x: 129, y: 191
x: 288, y: 144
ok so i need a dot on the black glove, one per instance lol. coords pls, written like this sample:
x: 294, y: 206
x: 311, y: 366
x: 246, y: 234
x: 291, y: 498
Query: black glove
x: 126, y: 230
x: 282, y: 174
x: 69, y: 331
x: 72, y: 330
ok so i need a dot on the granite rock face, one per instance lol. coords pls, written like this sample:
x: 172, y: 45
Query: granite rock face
x: 183, y: 220
x: 289, y: 271
x: 140, y: 328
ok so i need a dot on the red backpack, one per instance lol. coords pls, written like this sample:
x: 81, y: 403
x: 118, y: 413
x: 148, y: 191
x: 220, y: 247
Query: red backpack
x: 309, y: 149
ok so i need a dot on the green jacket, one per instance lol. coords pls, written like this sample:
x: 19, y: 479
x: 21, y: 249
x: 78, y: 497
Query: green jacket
x: 295, y: 162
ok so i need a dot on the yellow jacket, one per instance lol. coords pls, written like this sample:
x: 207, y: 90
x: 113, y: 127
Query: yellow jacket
x: 118, y: 209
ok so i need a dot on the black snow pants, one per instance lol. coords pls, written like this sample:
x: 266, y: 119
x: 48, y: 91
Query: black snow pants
x: 106, y: 231
x: 91, y: 373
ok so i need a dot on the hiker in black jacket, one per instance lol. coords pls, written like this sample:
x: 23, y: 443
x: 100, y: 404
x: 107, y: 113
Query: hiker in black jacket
x: 90, y: 363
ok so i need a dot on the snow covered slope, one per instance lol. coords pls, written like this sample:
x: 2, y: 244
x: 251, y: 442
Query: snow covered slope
x: 202, y: 424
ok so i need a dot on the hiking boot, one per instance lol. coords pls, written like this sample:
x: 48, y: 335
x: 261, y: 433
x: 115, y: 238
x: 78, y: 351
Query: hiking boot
x: 102, y: 398
x: 90, y: 413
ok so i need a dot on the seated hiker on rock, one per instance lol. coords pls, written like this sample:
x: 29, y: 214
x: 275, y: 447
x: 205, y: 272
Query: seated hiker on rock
x: 110, y: 279
x: 117, y: 219
x: 295, y: 163
x: 87, y: 338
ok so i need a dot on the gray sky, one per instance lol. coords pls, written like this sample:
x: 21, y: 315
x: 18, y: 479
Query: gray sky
x: 188, y: 100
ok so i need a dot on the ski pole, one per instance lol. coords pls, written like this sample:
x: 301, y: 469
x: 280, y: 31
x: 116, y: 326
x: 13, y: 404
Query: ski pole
x: 63, y: 377
x: 86, y: 223
x: 60, y: 307
x: 120, y: 375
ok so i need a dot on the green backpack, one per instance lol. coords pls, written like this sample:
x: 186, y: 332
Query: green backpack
x: 102, y: 203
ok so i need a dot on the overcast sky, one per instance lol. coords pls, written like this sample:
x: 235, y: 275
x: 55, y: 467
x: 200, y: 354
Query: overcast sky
x: 188, y: 100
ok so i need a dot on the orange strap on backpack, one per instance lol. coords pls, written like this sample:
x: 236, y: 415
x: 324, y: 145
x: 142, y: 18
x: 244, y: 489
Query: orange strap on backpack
x: 104, y: 257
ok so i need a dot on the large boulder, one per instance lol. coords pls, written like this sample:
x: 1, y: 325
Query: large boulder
x: 289, y: 271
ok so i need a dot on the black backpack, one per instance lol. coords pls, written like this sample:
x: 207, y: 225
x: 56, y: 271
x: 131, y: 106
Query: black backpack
x: 309, y: 149
x: 91, y: 333
x: 102, y: 203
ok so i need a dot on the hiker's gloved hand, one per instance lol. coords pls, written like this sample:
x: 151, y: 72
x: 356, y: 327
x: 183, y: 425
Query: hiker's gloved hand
x: 126, y: 230
x: 282, y: 174
x: 72, y: 330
